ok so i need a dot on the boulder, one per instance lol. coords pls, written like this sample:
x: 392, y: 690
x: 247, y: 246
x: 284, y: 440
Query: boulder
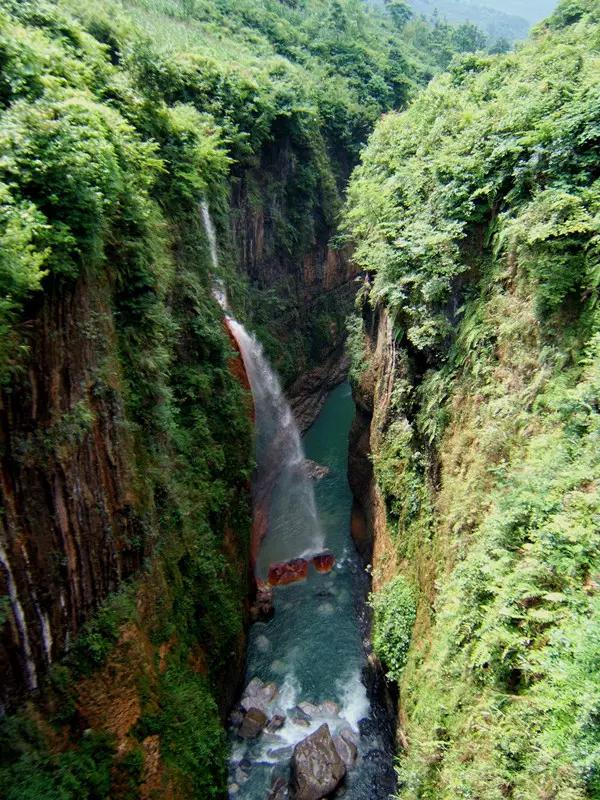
x: 253, y: 724
x: 277, y: 722
x: 324, y: 562
x: 310, y: 709
x: 298, y: 713
x: 279, y: 790
x: 349, y: 735
x: 301, y: 722
x: 286, y: 572
x: 262, y: 610
x: 315, y: 471
x: 258, y: 695
x: 347, y: 750
x: 329, y: 708
x: 317, y: 768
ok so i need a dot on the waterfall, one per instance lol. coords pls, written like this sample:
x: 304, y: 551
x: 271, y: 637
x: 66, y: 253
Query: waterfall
x: 210, y: 233
x: 283, y: 493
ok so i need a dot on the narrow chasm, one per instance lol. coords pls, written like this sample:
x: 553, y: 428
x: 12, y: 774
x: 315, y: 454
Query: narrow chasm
x: 312, y: 717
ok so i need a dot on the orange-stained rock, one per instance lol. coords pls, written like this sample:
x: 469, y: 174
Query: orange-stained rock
x: 237, y: 368
x: 288, y: 572
x: 324, y: 562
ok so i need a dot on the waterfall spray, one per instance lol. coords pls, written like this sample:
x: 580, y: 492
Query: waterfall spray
x: 282, y: 491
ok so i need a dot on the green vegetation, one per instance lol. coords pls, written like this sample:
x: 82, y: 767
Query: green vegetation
x: 394, y: 612
x: 476, y: 215
x: 118, y: 119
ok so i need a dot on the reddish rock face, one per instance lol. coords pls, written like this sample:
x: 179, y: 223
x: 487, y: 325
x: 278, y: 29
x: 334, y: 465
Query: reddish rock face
x: 288, y: 572
x: 324, y: 562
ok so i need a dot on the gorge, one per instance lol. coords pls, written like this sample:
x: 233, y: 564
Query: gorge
x: 299, y: 381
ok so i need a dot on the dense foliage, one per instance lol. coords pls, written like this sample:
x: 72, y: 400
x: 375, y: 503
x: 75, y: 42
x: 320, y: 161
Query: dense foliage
x: 394, y: 612
x: 476, y: 216
x: 118, y: 119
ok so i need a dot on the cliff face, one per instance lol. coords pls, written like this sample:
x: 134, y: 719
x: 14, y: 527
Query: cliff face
x: 372, y: 396
x: 301, y: 289
x: 72, y: 531
x: 476, y: 367
x: 96, y: 555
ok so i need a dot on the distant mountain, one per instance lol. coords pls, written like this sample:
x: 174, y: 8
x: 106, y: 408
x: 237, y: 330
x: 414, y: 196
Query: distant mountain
x: 486, y: 14
x: 532, y: 10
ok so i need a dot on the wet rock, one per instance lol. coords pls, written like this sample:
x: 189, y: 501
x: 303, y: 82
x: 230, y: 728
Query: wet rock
x: 277, y: 722
x: 347, y: 751
x: 279, y: 790
x: 258, y: 695
x: 315, y: 472
x: 236, y: 717
x: 263, y: 645
x: 309, y: 392
x: 349, y: 735
x: 240, y: 776
x: 301, y: 722
x: 262, y: 610
x: 298, y: 713
x: 324, y: 562
x: 330, y: 708
x: 281, y: 753
x: 286, y: 572
x: 317, y: 768
x: 310, y: 709
x: 253, y: 724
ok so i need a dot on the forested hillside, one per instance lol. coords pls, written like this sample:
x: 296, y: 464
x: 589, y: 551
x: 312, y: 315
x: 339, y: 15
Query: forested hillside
x: 476, y: 365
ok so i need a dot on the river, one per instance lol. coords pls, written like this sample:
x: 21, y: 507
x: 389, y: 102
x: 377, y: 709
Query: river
x: 315, y: 648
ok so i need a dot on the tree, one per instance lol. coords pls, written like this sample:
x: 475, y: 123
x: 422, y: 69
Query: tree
x: 467, y: 38
x: 400, y: 12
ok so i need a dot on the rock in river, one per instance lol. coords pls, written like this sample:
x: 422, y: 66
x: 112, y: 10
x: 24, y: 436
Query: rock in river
x: 262, y: 610
x: 315, y: 471
x: 347, y: 750
x: 258, y: 695
x: 253, y: 724
x: 317, y: 768
x: 324, y: 562
x: 288, y: 572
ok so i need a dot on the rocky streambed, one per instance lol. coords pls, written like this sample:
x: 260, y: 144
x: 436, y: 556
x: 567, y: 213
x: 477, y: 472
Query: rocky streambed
x: 313, y: 721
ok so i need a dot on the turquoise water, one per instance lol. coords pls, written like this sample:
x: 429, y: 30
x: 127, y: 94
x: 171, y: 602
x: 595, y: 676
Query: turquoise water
x: 313, y: 648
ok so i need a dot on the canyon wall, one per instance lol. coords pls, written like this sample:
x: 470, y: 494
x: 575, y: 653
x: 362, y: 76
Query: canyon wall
x: 475, y: 366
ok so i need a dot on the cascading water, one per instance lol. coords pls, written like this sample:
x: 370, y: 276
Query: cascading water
x: 308, y: 665
x: 282, y: 489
